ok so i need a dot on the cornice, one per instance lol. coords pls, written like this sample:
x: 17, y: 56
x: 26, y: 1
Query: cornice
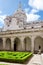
x: 20, y: 31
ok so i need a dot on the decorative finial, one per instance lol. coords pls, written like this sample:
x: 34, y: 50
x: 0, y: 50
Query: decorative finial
x: 20, y: 6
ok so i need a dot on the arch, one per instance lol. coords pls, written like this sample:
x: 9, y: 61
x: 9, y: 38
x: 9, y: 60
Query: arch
x: 8, y: 44
x: 38, y: 42
x: 27, y: 43
x: 17, y: 45
x: 1, y: 44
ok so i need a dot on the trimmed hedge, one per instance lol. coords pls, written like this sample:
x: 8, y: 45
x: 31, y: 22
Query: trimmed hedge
x: 3, y: 64
x: 19, y: 57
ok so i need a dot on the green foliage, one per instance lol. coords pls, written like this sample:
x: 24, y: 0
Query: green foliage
x: 14, y: 56
x: 3, y: 64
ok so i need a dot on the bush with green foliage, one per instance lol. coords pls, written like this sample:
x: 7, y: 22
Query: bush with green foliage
x: 19, y: 57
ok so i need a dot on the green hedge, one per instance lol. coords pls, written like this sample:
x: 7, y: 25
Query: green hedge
x: 19, y: 57
x: 3, y: 64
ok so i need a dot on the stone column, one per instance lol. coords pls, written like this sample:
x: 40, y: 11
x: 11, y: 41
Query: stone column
x: 4, y: 43
x: 12, y: 44
x: 32, y: 44
x: 22, y: 44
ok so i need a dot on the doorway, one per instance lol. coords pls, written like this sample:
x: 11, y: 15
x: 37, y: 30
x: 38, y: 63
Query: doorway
x: 15, y: 47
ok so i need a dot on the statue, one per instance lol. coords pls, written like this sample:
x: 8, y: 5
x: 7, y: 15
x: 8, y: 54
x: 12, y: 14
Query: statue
x: 39, y: 52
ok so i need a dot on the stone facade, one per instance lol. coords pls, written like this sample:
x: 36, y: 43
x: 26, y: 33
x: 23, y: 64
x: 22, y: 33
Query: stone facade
x: 17, y: 35
x: 22, y: 40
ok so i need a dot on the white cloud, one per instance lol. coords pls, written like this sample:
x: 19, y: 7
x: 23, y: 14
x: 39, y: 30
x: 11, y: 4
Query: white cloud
x: 34, y: 11
x: 32, y: 17
x: 2, y: 17
x: 37, y: 4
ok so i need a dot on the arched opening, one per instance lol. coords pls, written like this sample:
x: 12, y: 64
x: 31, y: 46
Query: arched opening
x: 38, y: 42
x: 8, y: 44
x: 1, y: 44
x: 17, y: 45
x: 27, y: 43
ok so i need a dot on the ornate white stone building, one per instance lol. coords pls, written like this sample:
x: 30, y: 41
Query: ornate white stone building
x: 18, y: 35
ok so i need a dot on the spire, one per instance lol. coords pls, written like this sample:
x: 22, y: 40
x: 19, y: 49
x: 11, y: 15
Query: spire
x: 20, y: 5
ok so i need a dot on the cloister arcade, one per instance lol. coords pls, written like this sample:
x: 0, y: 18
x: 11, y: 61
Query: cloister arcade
x: 22, y: 44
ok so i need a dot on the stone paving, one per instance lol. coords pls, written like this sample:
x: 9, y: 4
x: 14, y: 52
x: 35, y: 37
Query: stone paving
x: 35, y: 60
x: 10, y: 63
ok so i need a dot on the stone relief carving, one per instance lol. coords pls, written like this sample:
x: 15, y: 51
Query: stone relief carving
x: 7, y: 20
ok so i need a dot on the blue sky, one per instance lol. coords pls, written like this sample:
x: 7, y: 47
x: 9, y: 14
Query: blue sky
x: 32, y: 8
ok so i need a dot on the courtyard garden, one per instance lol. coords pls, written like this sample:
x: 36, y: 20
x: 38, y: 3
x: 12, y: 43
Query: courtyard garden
x: 18, y: 57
